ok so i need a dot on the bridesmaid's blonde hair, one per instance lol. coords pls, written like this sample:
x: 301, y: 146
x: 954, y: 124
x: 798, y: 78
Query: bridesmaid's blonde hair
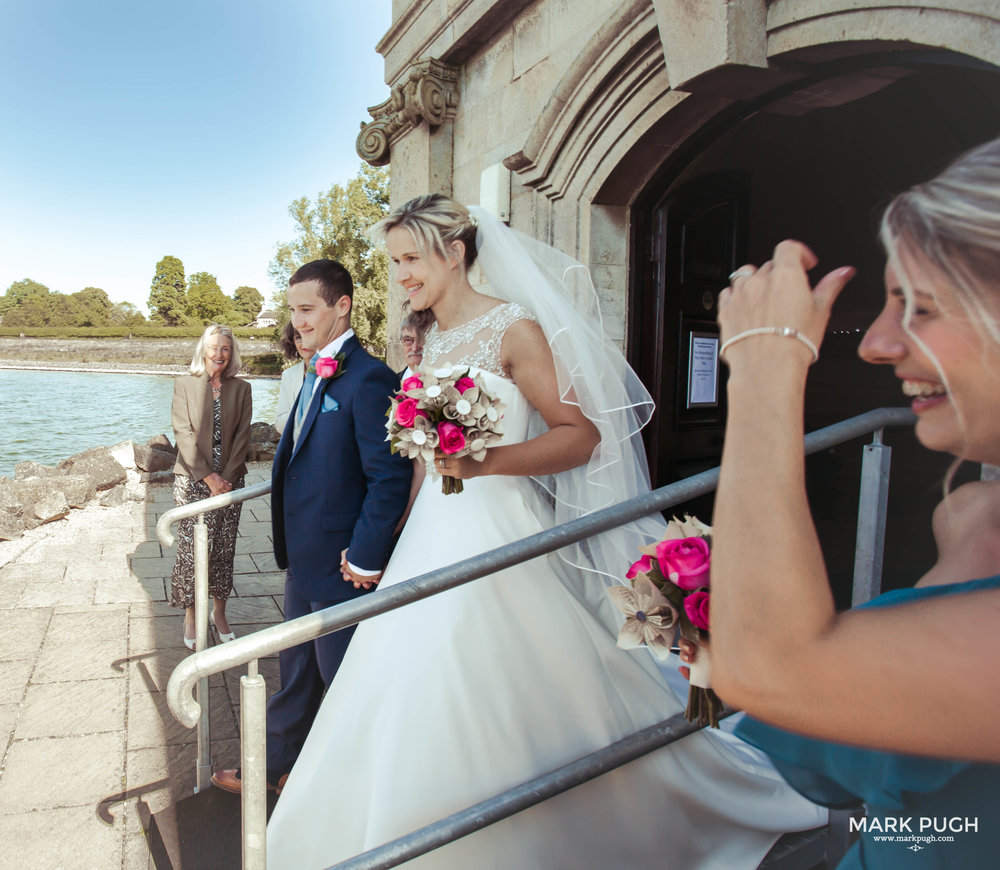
x: 952, y: 223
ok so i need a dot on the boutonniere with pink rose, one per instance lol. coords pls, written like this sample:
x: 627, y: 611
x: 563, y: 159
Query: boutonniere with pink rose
x: 669, y: 593
x: 329, y: 367
x: 443, y: 412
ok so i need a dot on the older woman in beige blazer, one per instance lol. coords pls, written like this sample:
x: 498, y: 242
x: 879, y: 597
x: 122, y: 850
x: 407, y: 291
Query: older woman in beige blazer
x: 211, y: 417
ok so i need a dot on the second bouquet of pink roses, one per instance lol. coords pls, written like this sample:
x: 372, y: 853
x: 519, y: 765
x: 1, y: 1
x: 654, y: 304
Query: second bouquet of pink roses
x: 444, y: 411
x: 669, y: 593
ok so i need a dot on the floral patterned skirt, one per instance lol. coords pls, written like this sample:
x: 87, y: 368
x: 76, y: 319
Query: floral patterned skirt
x: 223, y: 525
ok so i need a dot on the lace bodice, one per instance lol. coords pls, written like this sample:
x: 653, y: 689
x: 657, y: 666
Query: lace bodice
x: 476, y: 343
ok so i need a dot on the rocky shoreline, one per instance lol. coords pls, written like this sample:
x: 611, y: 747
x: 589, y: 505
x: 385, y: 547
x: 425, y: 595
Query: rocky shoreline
x: 106, y: 476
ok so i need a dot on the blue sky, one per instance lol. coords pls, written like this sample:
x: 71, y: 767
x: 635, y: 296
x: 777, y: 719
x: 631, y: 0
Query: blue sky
x: 130, y: 130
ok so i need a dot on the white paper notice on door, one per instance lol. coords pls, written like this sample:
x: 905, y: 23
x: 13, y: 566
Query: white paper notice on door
x: 703, y: 371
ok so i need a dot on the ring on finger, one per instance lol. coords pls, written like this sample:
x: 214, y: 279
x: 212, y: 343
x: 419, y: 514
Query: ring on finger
x: 740, y: 273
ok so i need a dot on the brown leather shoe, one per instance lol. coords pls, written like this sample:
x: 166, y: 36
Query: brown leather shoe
x: 229, y: 780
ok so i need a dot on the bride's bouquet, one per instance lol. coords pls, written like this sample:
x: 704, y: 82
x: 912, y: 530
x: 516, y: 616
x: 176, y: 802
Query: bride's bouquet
x: 669, y: 592
x: 444, y: 411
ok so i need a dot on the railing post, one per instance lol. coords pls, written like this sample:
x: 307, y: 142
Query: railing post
x: 203, y: 765
x: 872, y: 503
x: 253, y: 759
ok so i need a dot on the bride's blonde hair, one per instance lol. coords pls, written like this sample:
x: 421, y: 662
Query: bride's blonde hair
x: 435, y: 222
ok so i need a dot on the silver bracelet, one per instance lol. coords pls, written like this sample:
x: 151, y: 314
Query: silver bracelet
x: 770, y: 330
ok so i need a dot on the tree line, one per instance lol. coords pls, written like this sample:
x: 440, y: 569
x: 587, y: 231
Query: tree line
x: 334, y: 227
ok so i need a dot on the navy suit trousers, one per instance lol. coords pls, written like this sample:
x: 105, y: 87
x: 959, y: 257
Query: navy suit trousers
x: 306, y: 672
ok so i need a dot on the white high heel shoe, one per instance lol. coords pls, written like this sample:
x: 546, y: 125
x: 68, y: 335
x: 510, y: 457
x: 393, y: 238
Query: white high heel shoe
x: 224, y: 637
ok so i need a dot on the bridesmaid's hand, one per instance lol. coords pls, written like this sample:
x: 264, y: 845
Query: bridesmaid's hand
x: 779, y: 294
x: 688, y: 653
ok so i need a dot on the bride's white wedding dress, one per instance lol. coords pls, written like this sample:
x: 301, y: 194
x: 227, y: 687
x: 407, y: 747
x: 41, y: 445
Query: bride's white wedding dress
x: 451, y: 700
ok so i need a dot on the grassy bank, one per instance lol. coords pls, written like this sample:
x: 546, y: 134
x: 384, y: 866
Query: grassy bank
x: 169, y: 354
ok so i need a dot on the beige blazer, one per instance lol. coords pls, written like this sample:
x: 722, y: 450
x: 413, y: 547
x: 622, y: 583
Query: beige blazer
x: 191, y: 416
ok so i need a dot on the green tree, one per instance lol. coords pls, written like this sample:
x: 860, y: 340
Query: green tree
x: 335, y: 228
x: 167, y: 299
x: 247, y: 302
x: 64, y: 310
x: 125, y: 314
x: 26, y: 303
x: 206, y: 302
x: 93, y: 307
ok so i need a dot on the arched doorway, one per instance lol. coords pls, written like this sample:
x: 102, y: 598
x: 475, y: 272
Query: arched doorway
x: 816, y: 161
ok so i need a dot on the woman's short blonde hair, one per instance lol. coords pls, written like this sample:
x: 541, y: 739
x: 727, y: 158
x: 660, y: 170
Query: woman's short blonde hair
x: 952, y: 223
x: 435, y: 222
x: 198, y: 360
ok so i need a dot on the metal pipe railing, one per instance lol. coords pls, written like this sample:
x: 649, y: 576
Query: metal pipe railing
x: 272, y: 640
x: 529, y: 793
x: 278, y: 637
x: 206, y: 505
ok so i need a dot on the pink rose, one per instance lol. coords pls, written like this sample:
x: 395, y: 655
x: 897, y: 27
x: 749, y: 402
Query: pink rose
x: 696, y: 607
x: 452, y: 439
x: 684, y: 561
x: 412, y: 383
x: 326, y: 367
x: 643, y: 566
x: 463, y: 384
x: 406, y: 411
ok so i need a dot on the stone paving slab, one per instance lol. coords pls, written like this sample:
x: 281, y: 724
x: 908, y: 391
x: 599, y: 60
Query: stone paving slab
x: 88, y: 747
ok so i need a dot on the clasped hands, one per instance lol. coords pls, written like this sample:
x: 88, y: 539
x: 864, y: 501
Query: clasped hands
x: 217, y: 484
x: 360, y: 581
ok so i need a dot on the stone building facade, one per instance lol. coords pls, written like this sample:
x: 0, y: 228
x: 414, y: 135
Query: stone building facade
x: 664, y: 142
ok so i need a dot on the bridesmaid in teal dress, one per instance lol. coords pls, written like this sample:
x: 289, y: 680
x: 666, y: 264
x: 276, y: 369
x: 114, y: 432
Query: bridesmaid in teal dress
x: 896, y: 704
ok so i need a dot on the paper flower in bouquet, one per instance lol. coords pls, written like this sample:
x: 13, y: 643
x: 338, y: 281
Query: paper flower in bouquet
x: 669, y: 592
x: 444, y: 412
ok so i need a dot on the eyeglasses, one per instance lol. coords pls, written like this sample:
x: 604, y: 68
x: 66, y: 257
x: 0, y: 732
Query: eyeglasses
x: 409, y: 340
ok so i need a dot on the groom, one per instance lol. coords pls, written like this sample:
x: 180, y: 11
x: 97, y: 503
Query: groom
x: 337, y: 495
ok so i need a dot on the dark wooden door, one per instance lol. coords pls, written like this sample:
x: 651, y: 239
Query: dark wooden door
x: 692, y: 238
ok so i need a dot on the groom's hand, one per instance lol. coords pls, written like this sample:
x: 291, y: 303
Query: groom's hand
x: 360, y: 581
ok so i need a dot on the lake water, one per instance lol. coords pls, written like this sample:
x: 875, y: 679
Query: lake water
x: 47, y: 416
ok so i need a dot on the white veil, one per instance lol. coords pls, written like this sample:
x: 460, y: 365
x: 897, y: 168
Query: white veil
x: 594, y: 375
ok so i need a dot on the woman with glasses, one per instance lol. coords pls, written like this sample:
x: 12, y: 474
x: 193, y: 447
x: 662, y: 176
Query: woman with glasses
x: 211, y: 416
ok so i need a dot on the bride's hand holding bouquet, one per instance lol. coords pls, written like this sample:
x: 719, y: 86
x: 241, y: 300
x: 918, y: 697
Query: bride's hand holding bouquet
x: 445, y: 417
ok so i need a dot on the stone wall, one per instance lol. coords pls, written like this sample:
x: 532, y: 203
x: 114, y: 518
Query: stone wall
x: 581, y: 101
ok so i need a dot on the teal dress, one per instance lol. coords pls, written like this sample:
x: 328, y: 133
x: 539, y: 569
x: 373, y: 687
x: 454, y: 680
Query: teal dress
x: 913, y: 804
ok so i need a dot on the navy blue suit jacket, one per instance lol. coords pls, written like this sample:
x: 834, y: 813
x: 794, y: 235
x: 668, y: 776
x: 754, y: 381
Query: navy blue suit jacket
x: 339, y: 486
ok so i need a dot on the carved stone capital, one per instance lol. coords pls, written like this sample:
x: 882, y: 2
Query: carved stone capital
x: 428, y: 93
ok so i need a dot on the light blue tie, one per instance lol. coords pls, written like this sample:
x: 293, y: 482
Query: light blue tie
x: 305, y: 394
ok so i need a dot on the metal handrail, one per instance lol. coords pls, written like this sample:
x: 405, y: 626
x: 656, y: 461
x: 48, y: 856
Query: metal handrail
x: 206, y: 505
x: 271, y: 640
x: 197, y: 668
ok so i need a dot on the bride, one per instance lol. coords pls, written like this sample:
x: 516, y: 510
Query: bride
x: 453, y: 699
